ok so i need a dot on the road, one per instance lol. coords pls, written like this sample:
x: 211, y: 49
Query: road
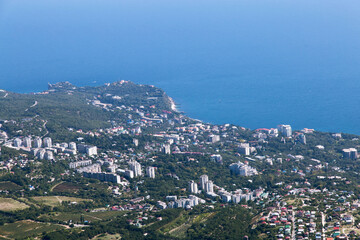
x: 35, y: 103
x: 323, y: 224
x: 293, y: 224
x: 44, y: 126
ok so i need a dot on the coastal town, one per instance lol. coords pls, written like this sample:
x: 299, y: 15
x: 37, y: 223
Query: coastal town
x: 297, y: 184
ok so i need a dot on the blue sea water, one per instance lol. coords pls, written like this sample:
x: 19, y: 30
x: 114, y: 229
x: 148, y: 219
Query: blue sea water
x: 255, y: 63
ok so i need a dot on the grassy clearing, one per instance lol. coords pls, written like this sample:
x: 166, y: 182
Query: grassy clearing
x: 9, y: 205
x: 26, y: 228
x: 9, y: 186
x: 54, y: 201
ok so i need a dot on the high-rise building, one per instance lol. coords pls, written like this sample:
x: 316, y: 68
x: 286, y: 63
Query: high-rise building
x: 214, y: 138
x: 216, y: 158
x: 203, y: 180
x: 302, y: 138
x: 41, y: 154
x: 17, y: 142
x: 106, y: 177
x: 27, y: 142
x: 350, y: 153
x: 242, y: 169
x: 150, y: 172
x: 136, y: 168
x: 37, y: 142
x: 129, y: 173
x: 49, y: 155
x: 80, y: 163
x: 91, y: 150
x: 193, y: 187
x: 64, y: 145
x: 209, y: 187
x: 167, y: 149
x: 47, y: 142
x: 72, y: 146
x: 285, y: 130
x: 88, y: 149
x: 244, y: 148
x: 136, y: 142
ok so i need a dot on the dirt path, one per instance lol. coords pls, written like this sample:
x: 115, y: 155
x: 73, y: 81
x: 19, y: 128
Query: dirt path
x: 51, y: 189
x: 60, y: 201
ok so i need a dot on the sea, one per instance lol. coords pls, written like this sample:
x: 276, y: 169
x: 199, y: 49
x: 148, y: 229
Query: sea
x: 253, y: 63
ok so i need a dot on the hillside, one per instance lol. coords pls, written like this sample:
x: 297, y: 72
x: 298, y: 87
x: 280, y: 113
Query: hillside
x: 66, y: 106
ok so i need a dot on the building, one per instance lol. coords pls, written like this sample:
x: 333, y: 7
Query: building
x: 136, y: 142
x: 216, y: 158
x: 242, y: 169
x: 94, y: 168
x: 136, y: 168
x: 236, y: 198
x: 209, y: 187
x: 336, y: 135
x: 37, y: 142
x: 106, y: 177
x: 41, y: 154
x: 213, y: 138
x: 285, y: 130
x: 193, y: 187
x: 91, y: 150
x: 150, y: 172
x: 80, y: 164
x: 49, y: 155
x: 129, y: 173
x: 69, y: 151
x: 167, y: 149
x: 225, y: 196
x: 302, y: 138
x: 111, y: 168
x: 350, y: 153
x: 203, y: 180
x: 64, y: 145
x: 47, y: 142
x: 27, y: 142
x: 244, y: 148
x: 161, y: 205
x: 17, y: 142
x: 72, y: 146
x: 187, y: 203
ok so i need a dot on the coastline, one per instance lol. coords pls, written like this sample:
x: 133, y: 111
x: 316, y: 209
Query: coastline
x: 173, y: 105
